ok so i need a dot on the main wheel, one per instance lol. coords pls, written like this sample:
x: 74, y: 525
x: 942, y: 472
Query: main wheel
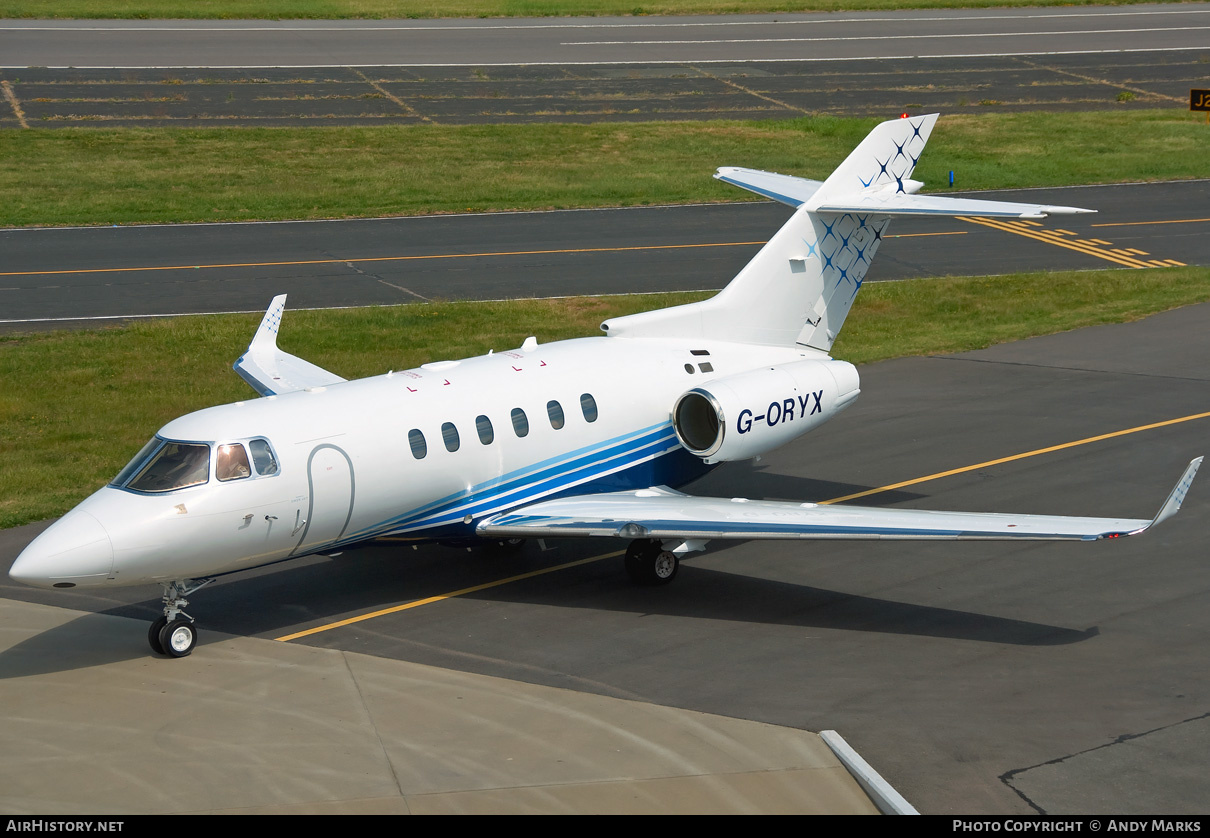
x: 153, y: 635
x: 648, y: 563
x: 178, y: 638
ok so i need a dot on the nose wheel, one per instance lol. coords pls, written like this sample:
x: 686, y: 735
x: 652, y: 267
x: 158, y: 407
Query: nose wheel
x: 648, y: 563
x: 178, y: 637
x: 174, y: 634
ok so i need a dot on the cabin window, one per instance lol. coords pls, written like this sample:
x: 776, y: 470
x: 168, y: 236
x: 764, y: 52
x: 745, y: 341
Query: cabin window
x: 450, y: 434
x: 174, y: 466
x: 419, y: 446
x: 262, y: 457
x: 555, y: 411
x: 520, y: 423
x: 484, y: 426
x: 231, y: 462
x: 588, y: 405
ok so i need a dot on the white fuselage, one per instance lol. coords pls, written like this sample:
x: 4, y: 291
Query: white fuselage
x: 347, y: 465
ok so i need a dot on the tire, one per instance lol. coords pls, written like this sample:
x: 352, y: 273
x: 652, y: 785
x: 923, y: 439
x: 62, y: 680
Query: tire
x: 178, y: 638
x: 648, y: 563
x: 153, y: 635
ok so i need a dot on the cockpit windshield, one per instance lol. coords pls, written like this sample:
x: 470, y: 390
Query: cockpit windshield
x: 166, y: 466
x: 140, y: 459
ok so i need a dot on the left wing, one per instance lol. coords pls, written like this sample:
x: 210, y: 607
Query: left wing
x: 661, y: 513
x: 271, y: 372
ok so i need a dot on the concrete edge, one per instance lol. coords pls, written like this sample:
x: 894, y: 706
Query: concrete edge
x: 888, y: 801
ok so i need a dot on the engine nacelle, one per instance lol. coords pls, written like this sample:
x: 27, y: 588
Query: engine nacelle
x: 746, y: 415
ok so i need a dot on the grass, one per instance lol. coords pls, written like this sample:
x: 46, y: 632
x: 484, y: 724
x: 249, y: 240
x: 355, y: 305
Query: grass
x: 147, y: 175
x: 76, y: 405
x: 336, y: 9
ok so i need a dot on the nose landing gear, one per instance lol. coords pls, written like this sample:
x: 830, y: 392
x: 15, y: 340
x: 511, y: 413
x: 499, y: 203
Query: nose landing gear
x: 174, y: 634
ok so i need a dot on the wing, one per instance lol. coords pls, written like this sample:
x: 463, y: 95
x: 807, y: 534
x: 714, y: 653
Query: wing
x: 664, y: 514
x: 272, y: 372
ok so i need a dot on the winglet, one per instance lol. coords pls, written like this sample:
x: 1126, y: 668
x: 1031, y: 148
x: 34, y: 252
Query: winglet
x: 1177, y: 496
x: 1171, y: 506
x: 266, y: 335
x: 268, y: 370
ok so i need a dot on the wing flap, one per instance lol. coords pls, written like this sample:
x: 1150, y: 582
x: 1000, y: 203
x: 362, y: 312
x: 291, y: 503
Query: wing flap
x: 661, y: 513
x: 271, y: 372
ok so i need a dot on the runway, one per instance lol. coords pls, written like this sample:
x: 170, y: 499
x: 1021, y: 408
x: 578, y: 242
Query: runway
x: 854, y: 36
x: 273, y: 73
x: 589, y: 93
x: 997, y: 678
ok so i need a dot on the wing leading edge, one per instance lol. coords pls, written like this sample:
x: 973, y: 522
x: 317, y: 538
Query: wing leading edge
x: 661, y: 513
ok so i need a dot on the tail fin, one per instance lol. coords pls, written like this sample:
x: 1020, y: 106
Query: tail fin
x: 799, y: 288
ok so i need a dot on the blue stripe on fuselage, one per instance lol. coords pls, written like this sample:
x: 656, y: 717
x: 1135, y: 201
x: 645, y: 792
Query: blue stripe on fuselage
x: 578, y: 471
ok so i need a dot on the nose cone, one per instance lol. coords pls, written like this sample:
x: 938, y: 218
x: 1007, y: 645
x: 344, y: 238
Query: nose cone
x: 75, y: 551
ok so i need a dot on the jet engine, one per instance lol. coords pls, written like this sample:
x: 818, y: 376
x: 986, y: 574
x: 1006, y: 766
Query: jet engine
x: 741, y: 416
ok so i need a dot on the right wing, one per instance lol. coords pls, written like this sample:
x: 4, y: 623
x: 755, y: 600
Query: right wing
x: 272, y: 372
x: 661, y: 513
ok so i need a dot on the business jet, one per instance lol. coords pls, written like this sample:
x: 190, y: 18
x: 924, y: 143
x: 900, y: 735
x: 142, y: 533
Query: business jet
x: 586, y: 437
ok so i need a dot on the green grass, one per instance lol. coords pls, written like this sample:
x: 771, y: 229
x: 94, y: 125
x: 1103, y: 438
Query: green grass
x: 141, y: 175
x: 76, y: 405
x: 335, y: 9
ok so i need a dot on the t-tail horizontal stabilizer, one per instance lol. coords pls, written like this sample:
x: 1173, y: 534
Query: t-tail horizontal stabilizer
x: 797, y: 291
x: 661, y: 513
x: 272, y: 372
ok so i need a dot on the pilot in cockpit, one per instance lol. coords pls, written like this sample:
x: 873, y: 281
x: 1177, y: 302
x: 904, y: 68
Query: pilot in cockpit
x: 232, y: 463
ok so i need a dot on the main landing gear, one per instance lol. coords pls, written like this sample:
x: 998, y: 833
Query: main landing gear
x: 174, y: 634
x: 648, y: 563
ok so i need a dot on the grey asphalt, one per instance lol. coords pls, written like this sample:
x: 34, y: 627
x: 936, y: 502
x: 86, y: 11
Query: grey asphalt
x: 58, y: 277
x: 931, y: 33
x: 48, y: 98
x: 976, y: 678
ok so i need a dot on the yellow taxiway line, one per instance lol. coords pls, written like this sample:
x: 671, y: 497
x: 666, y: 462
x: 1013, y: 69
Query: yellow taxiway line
x: 1089, y: 246
x: 415, y: 258
x: 1140, y: 223
x: 1036, y: 452
x: 497, y: 583
x: 1093, y: 247
x: 429, y: 600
